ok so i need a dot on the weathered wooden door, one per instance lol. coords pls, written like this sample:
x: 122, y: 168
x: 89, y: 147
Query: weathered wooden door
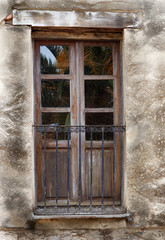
x: 77, y: 83
x: 99, y: 105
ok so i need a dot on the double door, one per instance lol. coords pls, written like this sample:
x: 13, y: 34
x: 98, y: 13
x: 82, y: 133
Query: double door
x: 77, y: 84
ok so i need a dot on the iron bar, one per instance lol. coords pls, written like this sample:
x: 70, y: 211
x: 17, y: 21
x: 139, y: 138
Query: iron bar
x: 102, y: 194
x: 56, y: 166
x: 79, y: 126
x: 79, y: 167
x: 114, y: 167
x: 80, y: 130
x: 45, y: 169
x: 68, y: 173
x: 91, y: 171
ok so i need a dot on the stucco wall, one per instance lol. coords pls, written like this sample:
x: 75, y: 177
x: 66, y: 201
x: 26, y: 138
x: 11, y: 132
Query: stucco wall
x: 144, y: 88
x: 15, y: 123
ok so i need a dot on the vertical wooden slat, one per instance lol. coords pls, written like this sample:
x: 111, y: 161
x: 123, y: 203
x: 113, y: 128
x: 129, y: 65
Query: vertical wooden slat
x: 74, y: 122
x: 117, y: 119
x: 80, y: 54
x: 37, y: 120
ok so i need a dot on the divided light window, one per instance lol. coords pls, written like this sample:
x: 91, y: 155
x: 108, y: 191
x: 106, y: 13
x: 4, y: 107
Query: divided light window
x: 78, y: 128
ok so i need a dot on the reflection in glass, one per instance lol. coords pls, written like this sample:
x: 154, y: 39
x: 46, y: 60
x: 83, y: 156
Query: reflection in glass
x: 56, y: 119
x: 99, y: 119
x: 98, y: 60
x: 55, y: 93
x: 98, y: 93
x: 54, y: 59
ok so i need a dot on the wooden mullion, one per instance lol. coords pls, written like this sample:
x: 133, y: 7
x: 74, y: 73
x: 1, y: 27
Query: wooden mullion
x: 116, y: 71
x: 55, y: 110
x: 99, y: 77
x: 84, y: 186
x: 99, y: 110
x: 62, y: 144
x: 98, y: 144
x: 55, y: 76
x: 74, y: 121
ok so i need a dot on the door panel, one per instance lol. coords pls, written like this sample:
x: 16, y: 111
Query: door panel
x: 51, y: 173
x: 97, y: 172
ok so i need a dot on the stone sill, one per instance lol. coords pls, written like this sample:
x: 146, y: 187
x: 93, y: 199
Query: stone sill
x: 126, y: 215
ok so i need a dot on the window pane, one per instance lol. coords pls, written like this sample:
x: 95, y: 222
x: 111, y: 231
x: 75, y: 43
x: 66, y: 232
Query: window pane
x: 59, y: 119
x: 55, y: 93
x: 98, y: 60
x: 98, y: 93
x: 54, y: 59
x: 99, y: 119
x: 56, y: 118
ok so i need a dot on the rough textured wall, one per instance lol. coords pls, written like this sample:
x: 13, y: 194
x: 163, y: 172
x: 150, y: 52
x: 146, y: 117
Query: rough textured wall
x: 5, y: 9
x: 144, y: 88
x: 109, y: 5
x: 122, y: 234
x: 15, y: 125
x: 144, y: 62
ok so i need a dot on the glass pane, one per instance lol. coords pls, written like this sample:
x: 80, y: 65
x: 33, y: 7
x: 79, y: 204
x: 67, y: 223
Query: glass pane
x: 54, y: 59
x: 99, y: 119
x: 55, y: 93
x: 98, y: 60
x: 98, y: 93
x: 58, y: 119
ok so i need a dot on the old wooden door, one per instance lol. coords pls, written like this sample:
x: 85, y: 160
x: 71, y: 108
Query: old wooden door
x: 77, y: 83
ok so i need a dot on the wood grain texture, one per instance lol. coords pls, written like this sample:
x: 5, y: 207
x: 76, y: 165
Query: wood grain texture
x: 55, y: 76
x: 74, y: 19
x: 51, y: 174
x: 97, y: 173
x: 117, y: 121
x: 76, y: 34
x: 55, y: 110
x: 99, y: 110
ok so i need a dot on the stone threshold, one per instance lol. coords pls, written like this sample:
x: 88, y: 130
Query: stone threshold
x: 126, y: 215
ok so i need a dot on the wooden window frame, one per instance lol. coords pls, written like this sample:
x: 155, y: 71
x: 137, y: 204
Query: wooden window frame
x: 74, y: 73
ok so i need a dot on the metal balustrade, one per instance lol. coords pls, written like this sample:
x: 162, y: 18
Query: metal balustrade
x: 84, y: 133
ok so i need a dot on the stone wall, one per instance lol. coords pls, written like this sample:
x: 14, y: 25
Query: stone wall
x: 144, y: 88
x: 122, y: 234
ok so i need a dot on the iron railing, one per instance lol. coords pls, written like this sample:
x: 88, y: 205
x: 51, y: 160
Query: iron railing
x: 88, y: 133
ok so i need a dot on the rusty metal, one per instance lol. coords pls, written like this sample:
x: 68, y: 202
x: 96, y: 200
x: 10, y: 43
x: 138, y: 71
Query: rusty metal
x: 68, y: 170
x: 56, y: 129
x: 102, y: 190
x: 81, y: 131
x: 91, y: 171
x: 45, y: 168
